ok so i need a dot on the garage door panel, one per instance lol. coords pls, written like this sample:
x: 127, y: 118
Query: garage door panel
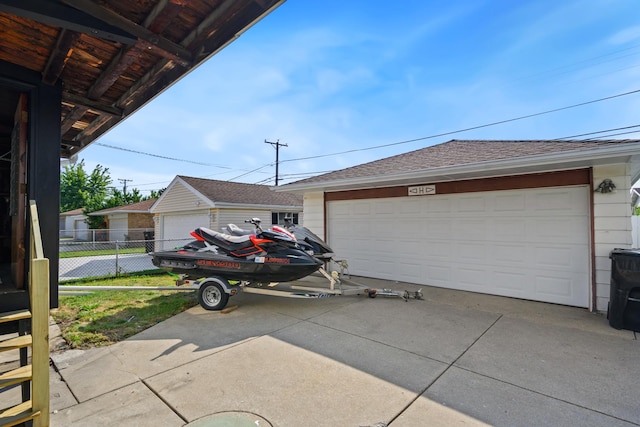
x: 508, y: 230
x: 513, y: 282
x: 555, y: 258
x: 435, y: 249
x: 472, y: 278
x: 437, y: 205
x: 435, y: 228
x: 471, y: 205
x: 438, y: 275
x: 554, y: 286
x: 510, y: 254
x: 507, y: 204
x: 531, y: 244
x: 473, y: 252
x: 469, y: 230
x: 176, y: 228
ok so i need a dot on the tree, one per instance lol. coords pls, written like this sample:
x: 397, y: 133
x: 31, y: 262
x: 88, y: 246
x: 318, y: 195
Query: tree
x: 92, y: 192
x: 156, y: 193
x: 78, y: 189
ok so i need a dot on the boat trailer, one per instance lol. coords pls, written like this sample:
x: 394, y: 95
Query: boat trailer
x: 214, y: 291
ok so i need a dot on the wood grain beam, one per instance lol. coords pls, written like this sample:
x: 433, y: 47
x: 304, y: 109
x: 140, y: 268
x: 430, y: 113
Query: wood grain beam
x: 91, y: 104
x: 154, y: 42
x: 60, y: 15
x: 59, y: 56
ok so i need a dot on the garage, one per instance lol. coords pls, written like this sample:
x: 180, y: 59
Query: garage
x: 176, y: 228
x: 531, y: 244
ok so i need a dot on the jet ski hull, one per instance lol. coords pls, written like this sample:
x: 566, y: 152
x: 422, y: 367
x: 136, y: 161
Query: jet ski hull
x: 282, y: 266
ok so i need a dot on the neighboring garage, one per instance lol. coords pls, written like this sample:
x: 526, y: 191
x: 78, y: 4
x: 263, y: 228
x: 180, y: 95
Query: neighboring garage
x: 510, y: 218
x: 189, y: 203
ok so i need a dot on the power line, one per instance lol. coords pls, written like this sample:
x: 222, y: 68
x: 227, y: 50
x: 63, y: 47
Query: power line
x: 614, y: 134
x: 601, y: 131
x: 251, y: 171
x: 158, y: 155
x: 555, y: 110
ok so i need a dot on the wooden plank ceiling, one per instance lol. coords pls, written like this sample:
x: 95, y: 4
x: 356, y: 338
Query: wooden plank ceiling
x: 113, y: 56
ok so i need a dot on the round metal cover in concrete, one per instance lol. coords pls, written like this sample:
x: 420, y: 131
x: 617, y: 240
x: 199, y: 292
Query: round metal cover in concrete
x: 231, y: 419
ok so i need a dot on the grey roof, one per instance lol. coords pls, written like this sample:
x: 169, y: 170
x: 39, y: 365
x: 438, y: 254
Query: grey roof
x: 240, y: 193
x: 138, y: 207
x: 79, y: 211
x: 460, y: 152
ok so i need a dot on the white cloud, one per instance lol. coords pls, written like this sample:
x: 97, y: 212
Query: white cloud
x: 626, y: 35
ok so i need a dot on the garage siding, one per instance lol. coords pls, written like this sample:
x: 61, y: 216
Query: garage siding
x: 180, y: 198
x: 314, y: 212
x: 612, y: 224
x: 531, y: 244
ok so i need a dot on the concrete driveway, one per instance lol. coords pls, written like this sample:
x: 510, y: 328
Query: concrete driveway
x: 103, y: 265
x: 454, y: 358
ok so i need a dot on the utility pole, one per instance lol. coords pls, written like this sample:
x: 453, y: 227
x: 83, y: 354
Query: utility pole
x: 277, y: 146
x: 124, y: 181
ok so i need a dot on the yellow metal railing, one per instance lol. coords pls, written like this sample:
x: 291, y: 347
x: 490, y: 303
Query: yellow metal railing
x: 36, y: 409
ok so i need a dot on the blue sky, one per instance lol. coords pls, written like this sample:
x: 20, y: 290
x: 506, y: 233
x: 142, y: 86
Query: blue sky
x: 329, y: 76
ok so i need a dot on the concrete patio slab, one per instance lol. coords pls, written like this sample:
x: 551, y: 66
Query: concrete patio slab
x: 133, y: 405
x: 590, y: 370
x: 284, y: 384
x: 496, y: 403
x: 185, y: 337
x: 407, y: 370
x: 455, y: 358
x: 431, y: 330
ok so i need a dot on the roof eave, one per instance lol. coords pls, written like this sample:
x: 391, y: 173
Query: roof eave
x: 229, y: 205
x: 527, y: 164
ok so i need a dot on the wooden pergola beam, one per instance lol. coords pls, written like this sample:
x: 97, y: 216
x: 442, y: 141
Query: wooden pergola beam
x: 158, y: 44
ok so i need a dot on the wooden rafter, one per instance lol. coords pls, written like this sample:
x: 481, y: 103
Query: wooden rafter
x: 154, y: 42
x: 59, y: 55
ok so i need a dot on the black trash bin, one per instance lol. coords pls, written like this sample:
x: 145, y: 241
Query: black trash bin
x: 149, y: 236
x: 624, y: 297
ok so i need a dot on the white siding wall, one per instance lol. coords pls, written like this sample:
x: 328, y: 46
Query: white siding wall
x: 313, y: 207
x: 238, y: 216
x: 612, y: 224
x: 635, y: 228
x: 179, y: 198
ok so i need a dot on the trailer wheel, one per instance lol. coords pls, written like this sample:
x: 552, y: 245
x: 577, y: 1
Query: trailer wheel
x: 212, y: 296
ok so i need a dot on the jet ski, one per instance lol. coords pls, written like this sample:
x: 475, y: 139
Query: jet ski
x: 263, y: 257
x: 306, y: 239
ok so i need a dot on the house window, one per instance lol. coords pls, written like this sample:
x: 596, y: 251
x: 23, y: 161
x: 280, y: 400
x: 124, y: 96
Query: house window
x: 279, y: 217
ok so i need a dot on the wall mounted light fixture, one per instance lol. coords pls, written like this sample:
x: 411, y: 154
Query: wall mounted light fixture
x: 606, y: 186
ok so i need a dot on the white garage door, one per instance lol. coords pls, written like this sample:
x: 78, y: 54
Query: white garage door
x: 530, y: 244
x: 118, y: 228
x: 176, y: 228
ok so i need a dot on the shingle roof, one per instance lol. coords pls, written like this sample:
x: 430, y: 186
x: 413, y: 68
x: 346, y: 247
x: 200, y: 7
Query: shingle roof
x: 78, y: 211
x: 141, y: 207
x: 240, y: 193
x: 460, y: 152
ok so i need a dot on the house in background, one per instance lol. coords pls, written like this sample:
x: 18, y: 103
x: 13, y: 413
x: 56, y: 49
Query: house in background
x: 522, y: 219
x: 128, y: 222
x: 73, y: 225
x: 189, y: 203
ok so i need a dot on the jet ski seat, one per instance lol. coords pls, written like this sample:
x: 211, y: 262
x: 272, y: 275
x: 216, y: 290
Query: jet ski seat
x: 210, y: 236
x: 234, y: 230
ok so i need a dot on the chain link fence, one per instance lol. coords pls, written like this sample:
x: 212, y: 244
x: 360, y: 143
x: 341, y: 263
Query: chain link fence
x: 95, y: 259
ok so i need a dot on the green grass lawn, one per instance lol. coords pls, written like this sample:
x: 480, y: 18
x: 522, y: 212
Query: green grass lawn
x: 105, y: 317
x: 72, y: 254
